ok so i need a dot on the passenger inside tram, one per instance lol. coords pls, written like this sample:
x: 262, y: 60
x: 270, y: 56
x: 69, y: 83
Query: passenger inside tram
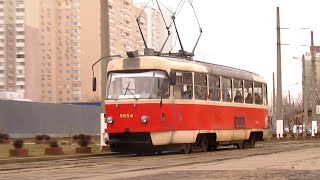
x: 249, y: 98
x: 238, y: 97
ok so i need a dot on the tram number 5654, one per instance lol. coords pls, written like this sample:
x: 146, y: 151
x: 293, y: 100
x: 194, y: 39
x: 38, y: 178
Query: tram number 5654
x: 126, y: 115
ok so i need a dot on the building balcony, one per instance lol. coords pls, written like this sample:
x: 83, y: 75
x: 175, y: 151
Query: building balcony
x: 19, y: 21
x: 19, y: 37
x: 20, y: 14
x: 20, y: 44
x: 20, y: 67
x: 20, y: 29
x: 20, y: 83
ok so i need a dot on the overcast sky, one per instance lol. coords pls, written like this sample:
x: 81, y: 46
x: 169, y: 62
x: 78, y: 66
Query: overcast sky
x: 242, y: 34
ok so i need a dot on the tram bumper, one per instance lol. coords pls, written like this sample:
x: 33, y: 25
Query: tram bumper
x: 130, y: 142
x: 129, y: 137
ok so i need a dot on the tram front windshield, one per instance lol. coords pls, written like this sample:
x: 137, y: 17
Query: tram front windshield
x: 138, y: 85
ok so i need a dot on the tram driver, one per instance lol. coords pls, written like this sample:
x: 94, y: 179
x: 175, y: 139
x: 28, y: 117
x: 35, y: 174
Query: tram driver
x: 188, y: 93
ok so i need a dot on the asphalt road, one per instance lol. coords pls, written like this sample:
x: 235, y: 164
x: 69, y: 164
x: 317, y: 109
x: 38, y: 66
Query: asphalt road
x: 268, y: 160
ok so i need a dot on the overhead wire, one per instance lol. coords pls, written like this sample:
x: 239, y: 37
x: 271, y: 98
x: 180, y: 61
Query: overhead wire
x: 166, y: 7
x: 162, y: 14
x: 190, y: 2
x: 144, y: 8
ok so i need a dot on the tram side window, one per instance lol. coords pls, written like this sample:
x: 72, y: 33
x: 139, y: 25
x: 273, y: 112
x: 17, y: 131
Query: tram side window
x: 265, y: 94
x: 248, y: 90
x: 200, y: 86
x: 226, y: 89
x: 214, y: 88
x: 183, y: 87
x: 258, y: 93
x: 238, y: 91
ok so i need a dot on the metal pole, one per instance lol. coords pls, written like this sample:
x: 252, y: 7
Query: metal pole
x: 313, y: 81
x: 279, y: 115
x: 304, y: 92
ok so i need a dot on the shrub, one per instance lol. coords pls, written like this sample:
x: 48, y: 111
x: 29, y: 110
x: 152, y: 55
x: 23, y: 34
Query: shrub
x: 53, y: 143
x: 75, y: 137
x: 285, y: 135
x: 18, y: 144
x: 308, y: 134
x: 46, y: 137
x: 292, y: 134
x: 87, y: 137
x: 81, y: 136
x: 274, y: 135
x: 39, y: 137
x: 4, y: 136
x: 83, y: 142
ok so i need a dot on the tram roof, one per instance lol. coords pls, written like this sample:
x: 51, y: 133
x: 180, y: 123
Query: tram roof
x: 178, y: 63
x: 222, y: 70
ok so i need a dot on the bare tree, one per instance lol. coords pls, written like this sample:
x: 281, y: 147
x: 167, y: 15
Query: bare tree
x: 290, y: 110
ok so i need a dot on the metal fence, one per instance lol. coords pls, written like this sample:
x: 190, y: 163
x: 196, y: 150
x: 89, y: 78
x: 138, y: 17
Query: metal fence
x: 27, y: 119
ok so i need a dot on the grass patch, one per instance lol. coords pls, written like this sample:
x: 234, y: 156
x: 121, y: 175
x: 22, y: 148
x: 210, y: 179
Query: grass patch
x: 37, y: 150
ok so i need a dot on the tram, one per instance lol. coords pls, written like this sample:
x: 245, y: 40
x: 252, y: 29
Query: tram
x: 160, y: 103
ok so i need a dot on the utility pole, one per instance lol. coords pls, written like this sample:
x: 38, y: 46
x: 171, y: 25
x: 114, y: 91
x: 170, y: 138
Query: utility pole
x: 105, y: 51
x: 273, y: 99
x: 279, y: 114
x: 304, y: 92
x: 105, y: 48
x: 290, y: 110
x: 313, y: 81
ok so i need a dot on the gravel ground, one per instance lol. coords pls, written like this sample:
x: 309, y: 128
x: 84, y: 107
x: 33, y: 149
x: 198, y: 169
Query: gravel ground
x: 275, y: 160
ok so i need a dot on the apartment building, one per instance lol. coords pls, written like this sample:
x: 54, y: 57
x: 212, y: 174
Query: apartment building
x: 12, y: 60
x: 124, y: 31
x: 63, y: 41
x: 309, y: 74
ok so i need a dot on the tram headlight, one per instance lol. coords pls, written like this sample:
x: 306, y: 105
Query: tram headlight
x: 144, y: 118
x: 109, y: 120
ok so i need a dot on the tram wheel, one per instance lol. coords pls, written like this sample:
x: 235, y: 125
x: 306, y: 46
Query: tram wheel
x: 204, y: 144
x: 212, y: 147
x: 187, y: 148
x: 240, y: 145
x: 252, y: 143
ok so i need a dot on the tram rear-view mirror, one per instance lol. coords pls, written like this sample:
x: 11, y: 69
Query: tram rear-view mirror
x: 172, y: 77
x: 94, y: 84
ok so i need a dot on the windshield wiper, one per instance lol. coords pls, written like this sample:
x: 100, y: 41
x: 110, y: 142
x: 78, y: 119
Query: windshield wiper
x: 128, y: 89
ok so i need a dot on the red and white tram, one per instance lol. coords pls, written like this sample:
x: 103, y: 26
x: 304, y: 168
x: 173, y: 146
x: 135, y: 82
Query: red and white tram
x: 157, y: 103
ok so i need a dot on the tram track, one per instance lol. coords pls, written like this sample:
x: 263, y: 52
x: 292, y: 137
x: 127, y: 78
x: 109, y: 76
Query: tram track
x: 171, y: 159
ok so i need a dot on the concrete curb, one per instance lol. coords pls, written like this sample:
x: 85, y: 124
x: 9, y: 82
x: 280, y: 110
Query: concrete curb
x: 50, y: 158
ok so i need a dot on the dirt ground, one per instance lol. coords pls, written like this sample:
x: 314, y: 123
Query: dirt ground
x: 269, y: 160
